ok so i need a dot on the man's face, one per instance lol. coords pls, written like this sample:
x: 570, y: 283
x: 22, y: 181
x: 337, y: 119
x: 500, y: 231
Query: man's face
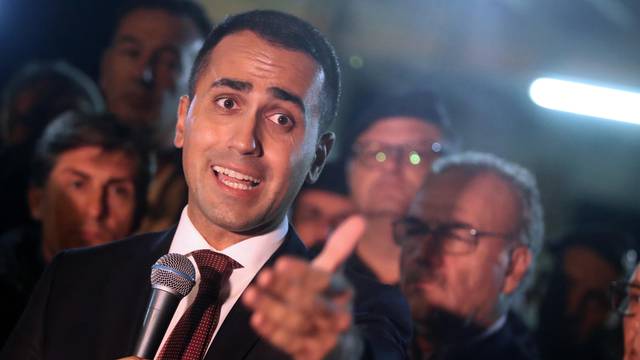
x: 386, y: 188
x: 467, y: 286
x: 249, y: 135
x: 318, y: 212
x: 88, y: 199
x: 146, y: 68
x: 588, y: 276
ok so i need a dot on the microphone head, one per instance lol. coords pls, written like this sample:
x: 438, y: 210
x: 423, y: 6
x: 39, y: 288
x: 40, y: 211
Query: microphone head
x: 173, y: 273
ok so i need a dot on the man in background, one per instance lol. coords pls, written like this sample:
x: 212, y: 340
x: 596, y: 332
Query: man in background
x: 393, y: 144
x: 468, y: 242
x: 575, y: 319
x: 88, y: 185
x: 146, y: 67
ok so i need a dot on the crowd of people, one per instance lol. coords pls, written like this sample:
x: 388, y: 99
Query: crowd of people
x: 214, y: 143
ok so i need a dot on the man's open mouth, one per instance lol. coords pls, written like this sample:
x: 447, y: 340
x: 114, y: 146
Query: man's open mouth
x: 235, y: 179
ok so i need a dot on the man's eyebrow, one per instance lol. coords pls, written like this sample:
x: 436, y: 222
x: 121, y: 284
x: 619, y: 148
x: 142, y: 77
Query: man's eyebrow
x: 76, y: 172
x: 234, y: 84
x: 127, y: 39
x: 84, y: 175
x: 287, y: 96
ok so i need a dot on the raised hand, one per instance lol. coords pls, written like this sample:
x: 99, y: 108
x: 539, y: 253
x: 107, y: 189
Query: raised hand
x: 305, y: 308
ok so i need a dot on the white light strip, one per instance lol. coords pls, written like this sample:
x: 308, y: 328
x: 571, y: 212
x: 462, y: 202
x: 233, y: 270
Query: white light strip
x: 585, y: 99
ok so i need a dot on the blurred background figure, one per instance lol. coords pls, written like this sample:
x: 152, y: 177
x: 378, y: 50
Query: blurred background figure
x: 146, y: 67
x: 143, y: 73
x: 88, y: 186
x: 575, y: 318
x: 393, y: 144
x: 468, y: 242
x: 31, y: 99
x: 39, y: 92
x: 625, y: 298
x: 322, y: 206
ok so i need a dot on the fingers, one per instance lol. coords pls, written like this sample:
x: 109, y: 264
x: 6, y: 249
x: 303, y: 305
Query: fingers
x: 270, y: 311
x: 304, y: 308
x: 340, y: 244
x: 304, y: 335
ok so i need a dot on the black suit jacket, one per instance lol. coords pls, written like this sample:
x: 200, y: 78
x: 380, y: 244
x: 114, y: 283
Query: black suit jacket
x: 511, y: 342
x: 90, y: 303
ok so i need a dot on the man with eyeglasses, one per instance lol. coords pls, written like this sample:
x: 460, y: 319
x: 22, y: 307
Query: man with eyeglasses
x: 393, y: 143
x: 468, y: 242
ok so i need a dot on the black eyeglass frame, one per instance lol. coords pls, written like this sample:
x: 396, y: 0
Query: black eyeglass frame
x: 439, y: 231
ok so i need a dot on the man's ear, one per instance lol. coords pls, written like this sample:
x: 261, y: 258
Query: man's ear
x: 521, y: 258
x: 325, y: 143
x: 35, y: 197
x: 183, y: 111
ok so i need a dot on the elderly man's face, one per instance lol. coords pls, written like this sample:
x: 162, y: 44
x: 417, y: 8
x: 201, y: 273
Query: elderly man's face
x: 88, y: 199
x: 146, y: 68
x: 386, y: 184
x: 250, y: 134
x: 466, y: 285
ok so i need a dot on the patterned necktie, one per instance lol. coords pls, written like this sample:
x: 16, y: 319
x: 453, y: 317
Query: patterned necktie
x: 193, y: 332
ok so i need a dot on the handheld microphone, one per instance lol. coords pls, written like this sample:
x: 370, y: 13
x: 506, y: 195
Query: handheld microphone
x: 172, y: 278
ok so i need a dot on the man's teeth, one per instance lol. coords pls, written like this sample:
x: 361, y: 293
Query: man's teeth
x: 236, y: 175
x: 236, y: 185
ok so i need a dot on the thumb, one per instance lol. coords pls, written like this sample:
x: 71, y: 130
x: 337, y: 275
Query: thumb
x: 340, y: 244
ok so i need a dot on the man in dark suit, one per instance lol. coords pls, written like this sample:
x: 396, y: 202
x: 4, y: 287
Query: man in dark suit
x: 263, y: 91
x: 467, y: 243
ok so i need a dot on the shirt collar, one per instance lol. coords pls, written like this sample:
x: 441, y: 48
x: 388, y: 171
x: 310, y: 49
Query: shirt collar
x: 251, y: 253
x: 494, y: 328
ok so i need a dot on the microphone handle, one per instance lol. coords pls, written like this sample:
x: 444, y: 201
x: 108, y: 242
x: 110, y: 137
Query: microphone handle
x: 162, y: 306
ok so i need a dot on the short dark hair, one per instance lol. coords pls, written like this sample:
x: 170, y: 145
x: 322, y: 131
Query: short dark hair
x: 73, y: 130
x: 616, y: 246
x: 286, y: 31
x: 183, y: 8
x: 423, y: 104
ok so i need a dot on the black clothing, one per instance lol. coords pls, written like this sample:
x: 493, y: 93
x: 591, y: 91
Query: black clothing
x: 90, y: 304
x: 510, y: 342
x: 21, y: 265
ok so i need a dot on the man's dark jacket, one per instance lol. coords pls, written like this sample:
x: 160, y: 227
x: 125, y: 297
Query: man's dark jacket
x: 511, y: 342
x: 90, y: 303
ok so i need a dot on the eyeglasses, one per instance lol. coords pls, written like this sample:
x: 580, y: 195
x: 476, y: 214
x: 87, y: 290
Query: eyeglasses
x: 373, y: 154
x: 624, y: 297
x: 455, y: 238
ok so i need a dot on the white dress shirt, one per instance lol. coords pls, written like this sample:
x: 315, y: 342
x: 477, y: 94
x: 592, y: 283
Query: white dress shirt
x: 251, y: 253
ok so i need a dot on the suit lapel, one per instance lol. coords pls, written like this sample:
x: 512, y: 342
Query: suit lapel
x: 236, y: 338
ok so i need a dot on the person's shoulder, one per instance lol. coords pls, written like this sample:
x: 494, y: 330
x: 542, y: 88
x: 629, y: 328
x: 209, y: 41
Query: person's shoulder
x: 130, y: 248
